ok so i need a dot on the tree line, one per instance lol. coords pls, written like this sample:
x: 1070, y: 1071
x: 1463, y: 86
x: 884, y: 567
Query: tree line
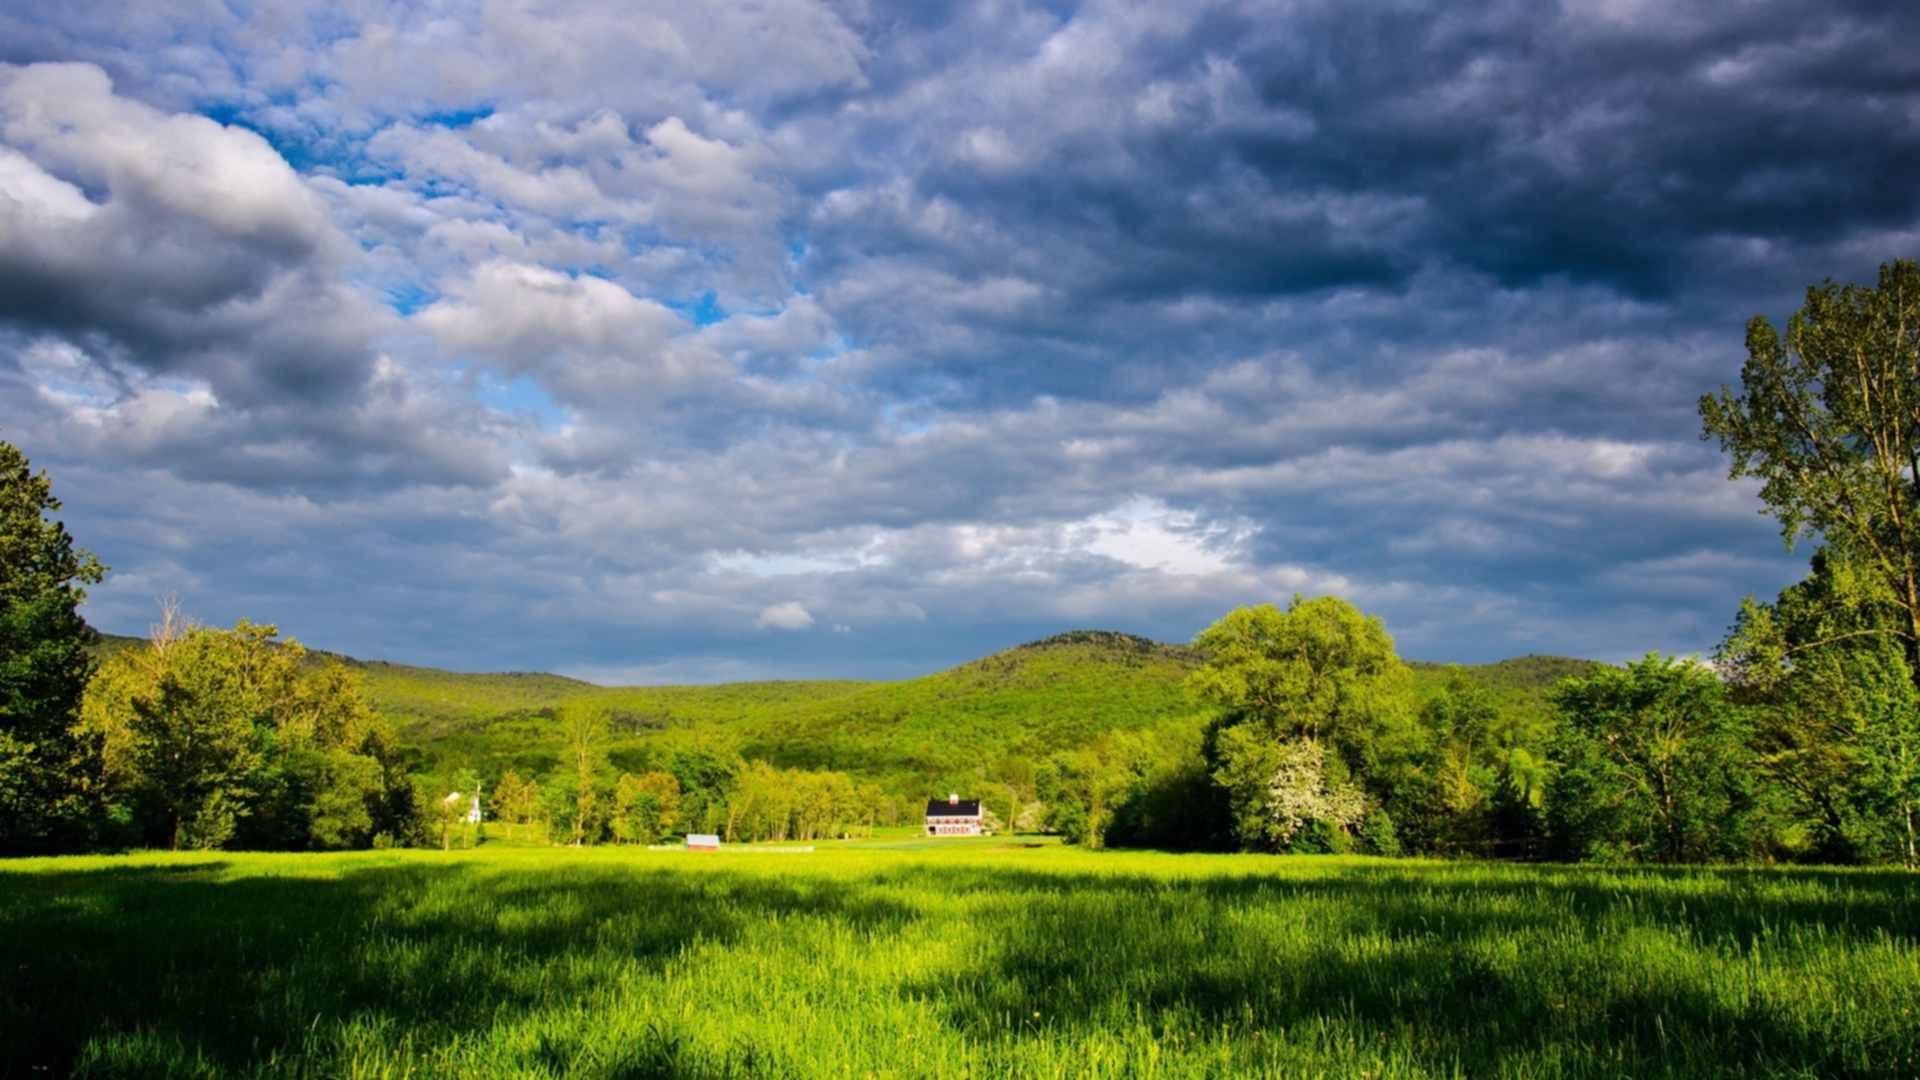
x: 699, y: 788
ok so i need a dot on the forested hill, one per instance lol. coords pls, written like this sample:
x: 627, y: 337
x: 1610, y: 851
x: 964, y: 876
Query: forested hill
x: 1024, y: 702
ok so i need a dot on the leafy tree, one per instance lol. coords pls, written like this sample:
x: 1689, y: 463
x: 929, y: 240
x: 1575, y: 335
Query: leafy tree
x: 1516, y: 806
x: 1081, y: 789
x: 515, y: 801
x: 1167, y: 799
x: 197, y: 736
x: 586, y: 728
x: 1286, y: 685
x: 1277, y: 790
x: 645, y: 807
x: 48, y: 771
x: 1828, y: 418
x: 1318, y: 670
x: 229, y: 737
x: 1837, y: 717
x: 1653, y: 762
x: 707, y: 775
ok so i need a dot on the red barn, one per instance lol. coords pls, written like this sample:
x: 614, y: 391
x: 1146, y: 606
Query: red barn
x: 954, y: 817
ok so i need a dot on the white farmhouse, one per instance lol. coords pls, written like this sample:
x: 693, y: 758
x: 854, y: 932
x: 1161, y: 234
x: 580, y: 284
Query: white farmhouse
x: 954, y: 817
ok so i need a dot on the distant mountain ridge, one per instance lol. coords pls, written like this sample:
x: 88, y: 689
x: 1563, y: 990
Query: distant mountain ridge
x: 1023, y: 702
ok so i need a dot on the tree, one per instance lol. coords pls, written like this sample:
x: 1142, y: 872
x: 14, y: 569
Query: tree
x: 48, y: 769
x: 197, y: 735
x: 1837, y: 716
x: 585, y: 726
x: 707, y: 775
x: 1285, y: 684
x: 1653, y: 762
x: 1828, y: 418
x: 510, y: 803
x: 1081, y: 788
x: 229, y: 737
x: 645, y: 807
x: 1318, y: 670
x: 1278, y: 789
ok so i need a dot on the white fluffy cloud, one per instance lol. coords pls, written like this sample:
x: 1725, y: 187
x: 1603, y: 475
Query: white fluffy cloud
x: 791, y: 615
x: 640, y: 330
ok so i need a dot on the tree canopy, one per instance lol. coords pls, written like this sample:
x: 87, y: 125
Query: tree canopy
x: 46, y: 772
x: 1828, y: 418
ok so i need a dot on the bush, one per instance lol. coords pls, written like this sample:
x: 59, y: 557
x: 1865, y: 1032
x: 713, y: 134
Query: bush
x: 1377, y: 836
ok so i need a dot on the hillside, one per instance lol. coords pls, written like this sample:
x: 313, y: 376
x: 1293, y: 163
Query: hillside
x: 1023, y: 702
x: 1026, y: 701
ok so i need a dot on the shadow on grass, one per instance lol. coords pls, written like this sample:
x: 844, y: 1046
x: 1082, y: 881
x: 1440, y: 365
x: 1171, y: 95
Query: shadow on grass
x: 1438, y: 975
x: 236, y: 971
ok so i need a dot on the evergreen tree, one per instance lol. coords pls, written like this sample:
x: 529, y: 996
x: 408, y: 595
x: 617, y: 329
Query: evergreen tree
x: 48, y: 770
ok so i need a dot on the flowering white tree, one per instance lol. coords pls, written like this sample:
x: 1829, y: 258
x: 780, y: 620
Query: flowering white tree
x: 1277, y: 788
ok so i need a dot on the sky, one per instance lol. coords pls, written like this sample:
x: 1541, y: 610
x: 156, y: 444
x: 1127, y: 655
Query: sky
x: 653, y: 342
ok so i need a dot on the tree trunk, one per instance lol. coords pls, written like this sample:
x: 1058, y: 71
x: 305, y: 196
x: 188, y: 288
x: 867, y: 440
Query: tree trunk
x: 1913, y: 857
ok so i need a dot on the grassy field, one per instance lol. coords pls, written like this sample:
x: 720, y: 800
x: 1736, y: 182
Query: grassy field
x: 979, y: 959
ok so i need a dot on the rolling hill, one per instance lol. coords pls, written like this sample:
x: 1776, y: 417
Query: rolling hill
x: 1025, y: 702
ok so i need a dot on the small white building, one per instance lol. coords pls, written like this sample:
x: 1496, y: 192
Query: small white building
x: 703, y: 842
x: 954, y: 817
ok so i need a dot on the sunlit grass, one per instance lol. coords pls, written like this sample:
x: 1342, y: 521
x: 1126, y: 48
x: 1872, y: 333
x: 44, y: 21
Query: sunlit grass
x: 951, y: 960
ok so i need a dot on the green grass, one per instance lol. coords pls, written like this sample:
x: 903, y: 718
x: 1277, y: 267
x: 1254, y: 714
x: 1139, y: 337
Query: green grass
x: 979, y: 959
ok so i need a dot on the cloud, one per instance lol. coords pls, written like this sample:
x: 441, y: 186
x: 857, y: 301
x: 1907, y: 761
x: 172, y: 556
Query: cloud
x: 637, y: 330
x: 788, y: 616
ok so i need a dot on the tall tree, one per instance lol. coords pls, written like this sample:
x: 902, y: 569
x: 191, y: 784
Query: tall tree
x: 509, y: 801
x: 586, y: 728
x: 1837, y: 716
x: 230, y: 737
x: 199, y: 733
x: 645, y: 806
x: 1653, y: 762
x: 47, y: 770
x: 1828, y: 418
x: 1286, y: 684
x: 1316, y: 670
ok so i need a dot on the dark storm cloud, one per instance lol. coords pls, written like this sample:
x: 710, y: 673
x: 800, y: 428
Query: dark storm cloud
x: 652, y: 341
x: 1346, y: 146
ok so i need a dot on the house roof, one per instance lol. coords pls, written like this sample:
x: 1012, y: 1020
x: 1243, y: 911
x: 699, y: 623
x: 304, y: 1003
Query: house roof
x: 963, y: 808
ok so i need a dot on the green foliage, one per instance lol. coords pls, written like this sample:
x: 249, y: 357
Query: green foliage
x: 1837, y: 717
x: 953, y: 960
x: 215, y: 737
x: 49, y: 773
x: 1319, y: 669
x: 1653, y: 762
x: 645, y: 807
x: 1826, y: 419
x: 1282, y: 683
x: 964, y: 728
x: 584, y: 725
x: 1080, y: 789
x: 1378, y: 836
x: 1281, y: 792
x: 768, y: 803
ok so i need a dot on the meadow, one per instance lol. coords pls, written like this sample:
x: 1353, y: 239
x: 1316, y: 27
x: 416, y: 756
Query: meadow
x: 947, y: 958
